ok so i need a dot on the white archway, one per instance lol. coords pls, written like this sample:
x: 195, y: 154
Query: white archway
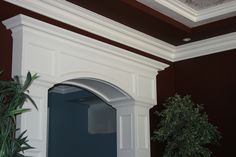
x: 108, y: 92
x: 124, y: 79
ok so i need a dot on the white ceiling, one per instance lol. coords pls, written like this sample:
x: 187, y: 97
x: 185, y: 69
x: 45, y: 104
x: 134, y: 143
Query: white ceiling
x: 203, y: 4
x: 194, y: 13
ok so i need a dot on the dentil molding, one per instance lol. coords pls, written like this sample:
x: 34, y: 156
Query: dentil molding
x: 84, y: 19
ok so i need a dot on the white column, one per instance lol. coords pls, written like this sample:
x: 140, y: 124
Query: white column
x: 133, y: 137
x: 36, y: 121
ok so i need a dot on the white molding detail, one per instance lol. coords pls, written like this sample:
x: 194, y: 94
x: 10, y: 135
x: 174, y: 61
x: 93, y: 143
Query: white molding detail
x: 81, y: 18
x: 206, y: 47
x: 84, y: 19
x: 195, y: 15
x: 77, y: 38
x: 65, y: 89
x: 190, y: 16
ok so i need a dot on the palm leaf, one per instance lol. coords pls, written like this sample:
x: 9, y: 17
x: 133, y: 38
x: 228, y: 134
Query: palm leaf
x: 12, y: 98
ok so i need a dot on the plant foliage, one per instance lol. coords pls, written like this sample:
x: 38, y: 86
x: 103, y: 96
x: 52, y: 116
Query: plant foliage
x: 184, y: 129
x: 13, y: 94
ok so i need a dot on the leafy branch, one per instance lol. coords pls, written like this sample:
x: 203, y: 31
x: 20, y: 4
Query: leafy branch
x: 184, y: 129
x: 13, y: 95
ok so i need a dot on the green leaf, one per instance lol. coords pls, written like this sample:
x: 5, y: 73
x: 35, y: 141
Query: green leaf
x: 12, y: 98
x: 184, y: 129
x: 28, y: 81
x: 31, y: 100
x: 18, y: 111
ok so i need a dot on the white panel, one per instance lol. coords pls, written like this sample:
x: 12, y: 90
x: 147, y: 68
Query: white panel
x: 70, y: 64
x: 33, y: 154
x: 126, y: 132
x: 32, y: 121
x: 142, y: 131
x: 35, y: 121
x: 101, y: 118
x: 146, y: 87
x: 40, y: 59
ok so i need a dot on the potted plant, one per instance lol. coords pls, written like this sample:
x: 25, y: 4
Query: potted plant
x: 184, y: 129
x: 13, y: 95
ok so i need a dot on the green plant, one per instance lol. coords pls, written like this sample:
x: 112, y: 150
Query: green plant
x: 12, y: 97
x: 184, y: 129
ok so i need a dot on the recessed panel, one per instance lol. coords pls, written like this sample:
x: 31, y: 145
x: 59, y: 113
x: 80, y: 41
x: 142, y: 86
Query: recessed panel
x: 32, y: 120
x: 72, y: 64
x: 142, y: 131
x: 146, y: 87
x: 40, y: 59
x: 126, y: 132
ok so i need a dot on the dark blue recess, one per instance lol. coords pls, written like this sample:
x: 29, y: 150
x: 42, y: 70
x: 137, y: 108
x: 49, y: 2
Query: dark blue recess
x: 68, y: 130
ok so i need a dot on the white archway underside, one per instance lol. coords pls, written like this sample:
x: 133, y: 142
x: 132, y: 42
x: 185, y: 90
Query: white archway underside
x: 109, y: 93
x: 124, y: 79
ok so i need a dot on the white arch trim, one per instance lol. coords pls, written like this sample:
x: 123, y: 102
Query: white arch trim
x: 111, y: 94
x: 59, y: 55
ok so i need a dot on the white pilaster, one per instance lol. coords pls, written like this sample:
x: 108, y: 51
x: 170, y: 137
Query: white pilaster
x: 36, y: 121
x: 133, y: 138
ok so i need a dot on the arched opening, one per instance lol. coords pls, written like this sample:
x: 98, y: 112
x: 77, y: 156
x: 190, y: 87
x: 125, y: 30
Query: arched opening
x: 82, y: 121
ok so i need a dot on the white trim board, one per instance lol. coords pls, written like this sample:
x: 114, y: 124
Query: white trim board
x: 79, y: 17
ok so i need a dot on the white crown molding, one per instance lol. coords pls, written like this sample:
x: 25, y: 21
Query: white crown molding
x: 84, y: 19
x: 190, y: 16
x: 83, y: 40
x: 180, y: 8
x: 206, y: 47
x: 198, y: 15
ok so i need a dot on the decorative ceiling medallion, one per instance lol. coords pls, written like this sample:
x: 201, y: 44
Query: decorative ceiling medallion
x: 203, y: 4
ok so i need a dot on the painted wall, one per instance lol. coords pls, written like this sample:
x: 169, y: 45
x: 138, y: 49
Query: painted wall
x: 211, y: 80
x: 165, y: 88
x: 5, y: 52
x: 68, y: 130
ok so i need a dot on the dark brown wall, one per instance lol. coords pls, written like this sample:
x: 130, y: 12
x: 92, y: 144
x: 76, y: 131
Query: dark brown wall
x: 5, y: 52
x: 211, y: 80
x: 165, y: 88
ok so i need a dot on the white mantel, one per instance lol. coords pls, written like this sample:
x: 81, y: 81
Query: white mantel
x: 125, y: 80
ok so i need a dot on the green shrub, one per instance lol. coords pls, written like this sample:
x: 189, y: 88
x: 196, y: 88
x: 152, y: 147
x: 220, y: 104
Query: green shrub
x: 184, y: 129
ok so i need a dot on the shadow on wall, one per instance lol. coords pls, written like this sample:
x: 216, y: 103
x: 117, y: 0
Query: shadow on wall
x: 80, y: 124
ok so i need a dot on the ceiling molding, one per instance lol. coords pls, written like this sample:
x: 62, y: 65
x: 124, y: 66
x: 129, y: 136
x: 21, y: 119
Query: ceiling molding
x: 198, y: 15
x: 206, y: 47
x: 79, y: 17
x: 190, y: 16
x: 97, y: 24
